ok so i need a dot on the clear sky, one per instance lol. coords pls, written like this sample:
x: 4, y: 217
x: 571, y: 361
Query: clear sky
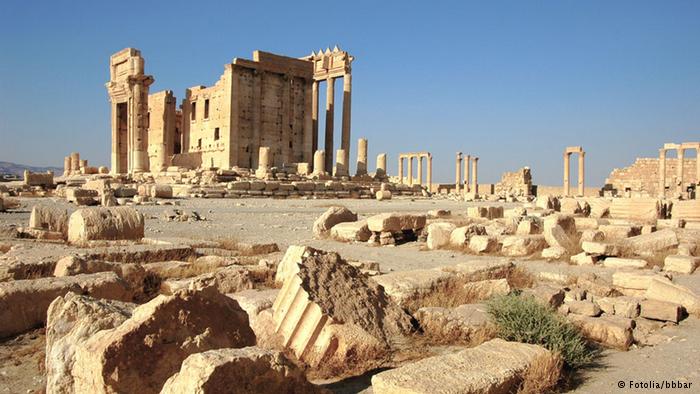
x: 513, y: 82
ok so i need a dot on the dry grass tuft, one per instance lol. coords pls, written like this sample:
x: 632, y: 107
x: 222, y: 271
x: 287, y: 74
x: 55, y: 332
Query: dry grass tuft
x: 520, y: 278
x: 543, y: 376
x: 457, y: 336
x: 228, y: 243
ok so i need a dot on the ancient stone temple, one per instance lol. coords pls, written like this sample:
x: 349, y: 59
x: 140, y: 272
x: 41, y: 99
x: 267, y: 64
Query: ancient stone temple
x: 270, y: 101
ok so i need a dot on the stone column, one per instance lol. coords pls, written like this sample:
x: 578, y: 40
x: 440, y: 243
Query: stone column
x: 420, y: 169
x: 66, y: 166
x: 347, y: 100
x: 83, y: 166
x: 581, y: 173
x: 429, y: 176
x: 697, y: 172
x: 140, y: 150
x: 341, y: 164
x: 410, y: 170
x: 381, y: 164
x: 361, y: 157
x: 400, y: 169
x: 264, y: 158
x: 566, y: 174
x: 475, y: 176
x: 467, y: 163
x: 314, y: 117
x: 458, y: 172
x: 75, y: 163
x: 681, y: 156
x: 330, y: 99
x: 319, y: 162
x: 662, y: 173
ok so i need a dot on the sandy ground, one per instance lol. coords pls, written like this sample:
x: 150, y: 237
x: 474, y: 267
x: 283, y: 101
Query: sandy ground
x: 289, y: 222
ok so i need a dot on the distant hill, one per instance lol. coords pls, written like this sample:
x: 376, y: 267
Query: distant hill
x: 18, y: 169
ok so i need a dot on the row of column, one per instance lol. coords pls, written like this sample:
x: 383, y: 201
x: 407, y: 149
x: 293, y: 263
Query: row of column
x: 330, y: 110
x: 319, y: 161
x: 680, y: 149
x: 471, y: 180
x: 72, y: 164
x: 419, y: 157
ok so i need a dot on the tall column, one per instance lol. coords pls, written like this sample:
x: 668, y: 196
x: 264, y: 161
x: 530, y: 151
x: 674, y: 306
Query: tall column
x: 341, y: 164
x: 264, y: 160
x: 319, y: 162
x: 347, y: 100
x: 75, y: 163
x: 400, y: 169
x: 429, y: 177
x: 566, y: 174
x: 410, y: 170
x: 361, y: 157
x: 66, y: 166
x: 381, y: 164
x: 662, y: 173
x: 681, y: 156
x: 420, y: 170
x: 314, y: 117
x: 458, y: 172
x: 467, y: 163
x: 475, y: 176
x: 581, y: 173
x: 330, y: 99
x: 140, y: 152
x: 697, y: 172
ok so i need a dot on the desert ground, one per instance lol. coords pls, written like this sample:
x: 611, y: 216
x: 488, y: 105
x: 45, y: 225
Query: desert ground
x: 667, y: 356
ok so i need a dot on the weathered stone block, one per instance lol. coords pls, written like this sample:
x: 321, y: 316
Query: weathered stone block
x: 396, y: 222
x: 334, y: 215
x: 492, y: 367
x: 23, y: 303
x: 105, y: 224
x: 661, y: 310
x: 439, y: 234
x: 682, y: 264
x: 145, y: 350
x: 248, y: 370
x: 351, y: 231
x: 616, y: 262
x: 611, y: 331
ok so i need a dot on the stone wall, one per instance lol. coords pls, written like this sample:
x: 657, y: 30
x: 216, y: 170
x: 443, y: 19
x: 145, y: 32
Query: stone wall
x: 642, y: 177
x: 261, y: 102
x: 161, y: 129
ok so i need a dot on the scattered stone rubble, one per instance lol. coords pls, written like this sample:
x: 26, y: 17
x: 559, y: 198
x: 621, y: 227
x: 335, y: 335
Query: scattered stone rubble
x: 125, y: 313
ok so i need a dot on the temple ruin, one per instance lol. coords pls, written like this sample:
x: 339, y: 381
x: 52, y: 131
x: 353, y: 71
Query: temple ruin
x: 646, y: 175
x: 270, y: 101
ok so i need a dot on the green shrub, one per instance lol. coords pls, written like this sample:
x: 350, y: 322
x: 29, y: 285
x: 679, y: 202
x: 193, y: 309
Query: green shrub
x: 523, y: 319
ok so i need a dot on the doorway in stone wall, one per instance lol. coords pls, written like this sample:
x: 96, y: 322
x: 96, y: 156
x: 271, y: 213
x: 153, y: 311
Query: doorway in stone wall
x: 122, y: 139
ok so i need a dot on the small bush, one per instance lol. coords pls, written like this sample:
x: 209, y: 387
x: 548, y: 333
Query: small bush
x: 523, y: 319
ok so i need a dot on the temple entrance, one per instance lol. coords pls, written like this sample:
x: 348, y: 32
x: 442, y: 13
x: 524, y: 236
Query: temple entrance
x: 122, y: 137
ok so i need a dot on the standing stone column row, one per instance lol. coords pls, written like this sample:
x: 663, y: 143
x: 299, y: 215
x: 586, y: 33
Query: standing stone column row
x: 680, y: 149
x: 330, y: 117
x: 470, y: 180
x: 418, y: 156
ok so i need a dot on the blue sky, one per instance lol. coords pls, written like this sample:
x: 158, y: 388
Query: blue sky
x: 513, y: 82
